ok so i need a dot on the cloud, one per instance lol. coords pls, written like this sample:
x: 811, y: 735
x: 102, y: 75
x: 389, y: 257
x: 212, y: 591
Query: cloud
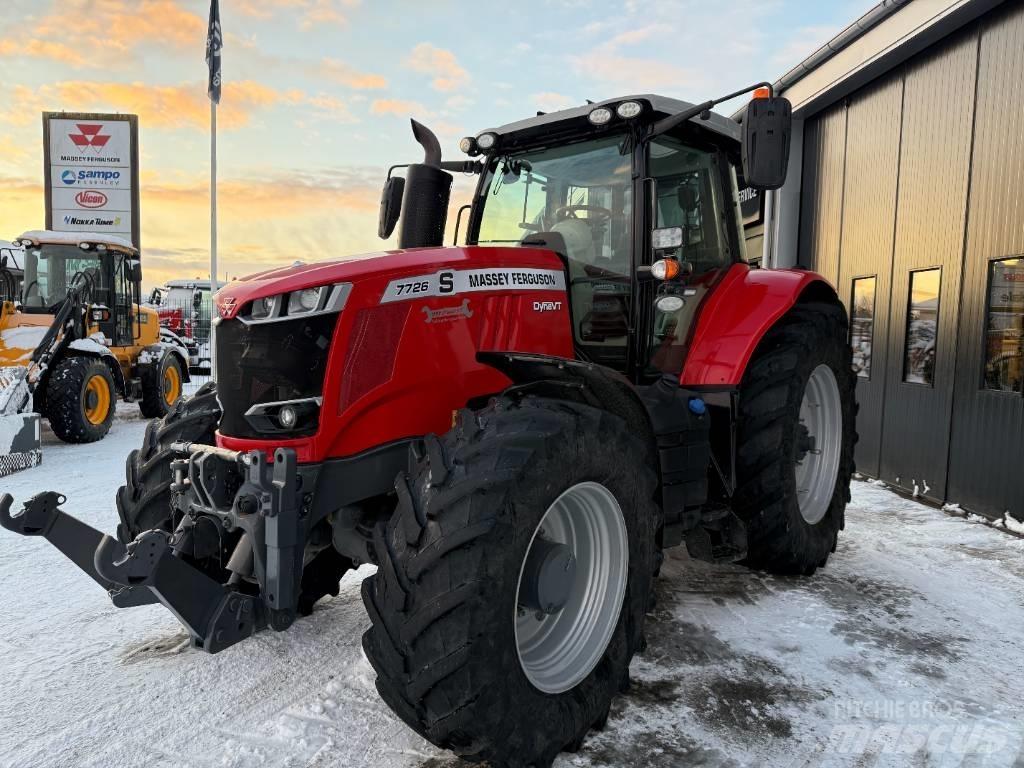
x: 552, y: 102
x: 121, y: 26
x: 167, y: 106
x: 310, y: 13
x: 440, y: 64
x: 340, y: 72
x: 42, y: 49
x: 399, y: 107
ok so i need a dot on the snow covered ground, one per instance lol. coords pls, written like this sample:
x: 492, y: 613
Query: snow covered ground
x: 908, y: 649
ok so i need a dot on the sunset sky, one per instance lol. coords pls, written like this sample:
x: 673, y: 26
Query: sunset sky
x: 317, y: 96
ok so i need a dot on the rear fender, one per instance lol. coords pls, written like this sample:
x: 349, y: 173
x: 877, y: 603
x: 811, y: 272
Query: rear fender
x: 736, y: 316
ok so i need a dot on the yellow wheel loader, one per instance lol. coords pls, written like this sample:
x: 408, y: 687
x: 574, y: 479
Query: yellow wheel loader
x: 73, y: 338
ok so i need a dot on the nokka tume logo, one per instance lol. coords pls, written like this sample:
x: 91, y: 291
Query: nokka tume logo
x: 89, y: 136
x: 90, y: 198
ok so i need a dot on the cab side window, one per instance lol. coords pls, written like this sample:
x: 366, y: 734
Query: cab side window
x: 688, y: 195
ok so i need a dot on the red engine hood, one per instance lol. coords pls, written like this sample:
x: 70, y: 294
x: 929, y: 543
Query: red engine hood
x: 232, y: 297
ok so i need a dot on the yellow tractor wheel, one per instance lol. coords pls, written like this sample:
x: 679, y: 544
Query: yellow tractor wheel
x: 162, y: 388
x: 81, y: 399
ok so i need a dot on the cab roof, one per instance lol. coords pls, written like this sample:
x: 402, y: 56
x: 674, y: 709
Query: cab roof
x: 49, y: 237
x: 575, y: 119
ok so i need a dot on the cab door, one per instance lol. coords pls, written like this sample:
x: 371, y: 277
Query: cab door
x: 123, y: 296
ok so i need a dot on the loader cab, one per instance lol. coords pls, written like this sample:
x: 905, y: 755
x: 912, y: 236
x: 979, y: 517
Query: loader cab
x: 605, y: 198
x: 110, y: 276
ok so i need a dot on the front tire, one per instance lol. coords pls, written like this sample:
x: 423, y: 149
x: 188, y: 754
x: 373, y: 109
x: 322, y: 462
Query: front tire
x: 796, y: 436
x: 451, y: 640
x: 80, y: 400
x: 144, y: 501
x: 162, y: 388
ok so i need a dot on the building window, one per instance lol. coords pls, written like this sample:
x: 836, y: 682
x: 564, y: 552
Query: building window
x: 862, y: 325
x: 1004, y: 326
x: 922, y: 327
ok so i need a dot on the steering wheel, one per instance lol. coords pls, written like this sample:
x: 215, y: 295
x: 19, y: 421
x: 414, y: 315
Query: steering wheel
x: 595, y: 212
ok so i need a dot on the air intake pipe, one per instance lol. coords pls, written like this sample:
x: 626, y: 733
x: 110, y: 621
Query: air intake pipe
x: 425, y: 200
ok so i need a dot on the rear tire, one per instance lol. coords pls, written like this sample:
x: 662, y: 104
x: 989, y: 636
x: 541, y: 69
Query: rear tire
x: 162, y: 388
x: 443, y: 604
x: 80, y: 399
x: 787, y: 534
x: 144, y: 501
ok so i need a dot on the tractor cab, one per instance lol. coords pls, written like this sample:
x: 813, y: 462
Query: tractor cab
x: 639, y: 197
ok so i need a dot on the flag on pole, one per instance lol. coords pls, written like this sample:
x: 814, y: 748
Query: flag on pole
x: 214, y: 44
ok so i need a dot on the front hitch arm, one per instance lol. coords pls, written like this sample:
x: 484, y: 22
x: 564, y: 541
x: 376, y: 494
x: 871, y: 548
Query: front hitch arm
x: 215, y: 616
x: 41, y: 516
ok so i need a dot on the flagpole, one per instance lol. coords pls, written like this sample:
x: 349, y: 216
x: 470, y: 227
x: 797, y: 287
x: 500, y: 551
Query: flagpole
x: 213, y: 195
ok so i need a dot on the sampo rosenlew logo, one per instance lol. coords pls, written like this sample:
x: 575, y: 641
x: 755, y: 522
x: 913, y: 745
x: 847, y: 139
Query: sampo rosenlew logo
x: 89, y: 136
x: 90, y: 198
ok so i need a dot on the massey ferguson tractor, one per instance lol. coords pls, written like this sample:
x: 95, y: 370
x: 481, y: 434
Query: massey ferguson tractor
x: 512, y: 431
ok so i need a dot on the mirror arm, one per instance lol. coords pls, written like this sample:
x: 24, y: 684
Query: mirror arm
x: 670, y: 122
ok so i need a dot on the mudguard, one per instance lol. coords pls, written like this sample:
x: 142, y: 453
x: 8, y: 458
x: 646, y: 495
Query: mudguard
x: 92, y: 348
x: 736, y: 316
x: 152, y: 357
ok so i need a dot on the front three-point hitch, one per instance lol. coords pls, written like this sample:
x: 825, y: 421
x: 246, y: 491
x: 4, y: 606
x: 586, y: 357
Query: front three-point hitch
x: 239, y: 497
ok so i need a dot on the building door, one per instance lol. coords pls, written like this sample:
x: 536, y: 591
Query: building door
x: 931, y: 209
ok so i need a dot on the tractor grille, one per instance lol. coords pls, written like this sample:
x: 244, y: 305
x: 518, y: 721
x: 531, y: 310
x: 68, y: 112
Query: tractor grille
x: 269, y: 362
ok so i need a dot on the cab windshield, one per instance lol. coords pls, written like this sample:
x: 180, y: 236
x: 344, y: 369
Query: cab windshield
x: 583, y: 192
x: 51, y: 269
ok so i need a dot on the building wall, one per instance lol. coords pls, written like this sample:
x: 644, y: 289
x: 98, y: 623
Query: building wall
x: 913, y: 181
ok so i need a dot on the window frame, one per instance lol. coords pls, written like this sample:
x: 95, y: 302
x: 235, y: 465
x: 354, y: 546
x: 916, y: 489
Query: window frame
x: 906, y: 324
x: 984, y: 329
x: 874, y: 314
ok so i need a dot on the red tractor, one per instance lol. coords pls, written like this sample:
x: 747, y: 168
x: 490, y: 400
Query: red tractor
x: 512, y: 431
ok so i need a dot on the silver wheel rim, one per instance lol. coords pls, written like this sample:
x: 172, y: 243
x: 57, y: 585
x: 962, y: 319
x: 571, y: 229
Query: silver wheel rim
x: 821, y: 414
x: 557, y: 651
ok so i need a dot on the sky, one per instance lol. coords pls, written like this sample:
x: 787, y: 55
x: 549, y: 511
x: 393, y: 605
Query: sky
x: 317, y: 97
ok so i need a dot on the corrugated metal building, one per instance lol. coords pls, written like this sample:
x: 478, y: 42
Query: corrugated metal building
x: 906, y: 190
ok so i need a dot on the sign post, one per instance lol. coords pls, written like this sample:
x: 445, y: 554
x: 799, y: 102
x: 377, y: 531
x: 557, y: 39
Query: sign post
x: 91, y: 168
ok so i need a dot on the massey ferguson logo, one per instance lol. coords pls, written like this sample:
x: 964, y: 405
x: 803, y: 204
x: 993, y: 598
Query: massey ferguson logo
x: 547, y: 306
x: 90, y: 198
x: 226, y: 305
x: 89, y: 136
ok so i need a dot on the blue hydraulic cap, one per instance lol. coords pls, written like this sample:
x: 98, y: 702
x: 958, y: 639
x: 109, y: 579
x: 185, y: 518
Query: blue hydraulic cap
x: 698, y: 406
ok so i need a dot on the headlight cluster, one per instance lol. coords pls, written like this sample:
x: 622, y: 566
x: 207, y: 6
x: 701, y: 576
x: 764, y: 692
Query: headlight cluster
x: 626, y: 110
x: 301, y: 303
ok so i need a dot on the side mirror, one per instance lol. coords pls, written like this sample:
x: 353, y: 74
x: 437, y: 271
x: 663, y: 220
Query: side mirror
x: 390, y: 206
x: 197, y: 300
x: 156, y: 297
x: 135, y: 273
x: 766, y: 135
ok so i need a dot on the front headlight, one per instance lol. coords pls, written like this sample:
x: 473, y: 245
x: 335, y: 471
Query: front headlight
x: 306, y: 300
x: 303, y: 302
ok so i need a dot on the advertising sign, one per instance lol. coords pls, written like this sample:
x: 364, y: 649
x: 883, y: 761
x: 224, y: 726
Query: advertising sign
x: 92, y: 173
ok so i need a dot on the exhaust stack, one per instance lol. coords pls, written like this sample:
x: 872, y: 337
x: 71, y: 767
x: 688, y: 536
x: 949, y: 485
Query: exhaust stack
x: 427, y: 191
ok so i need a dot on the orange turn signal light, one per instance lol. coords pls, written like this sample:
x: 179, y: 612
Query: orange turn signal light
x: 762, y: 93
x: 665, y: 269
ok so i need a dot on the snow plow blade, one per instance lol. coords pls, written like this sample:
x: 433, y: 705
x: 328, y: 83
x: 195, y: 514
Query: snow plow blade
x: 41, y: 516
x: 19, y: 430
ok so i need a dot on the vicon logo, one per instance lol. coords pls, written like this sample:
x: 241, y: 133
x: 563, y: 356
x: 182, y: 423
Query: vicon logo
x: 90, y: 198
x: 90, y: 136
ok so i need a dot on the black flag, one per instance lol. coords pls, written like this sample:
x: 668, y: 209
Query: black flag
x: 214, y: 44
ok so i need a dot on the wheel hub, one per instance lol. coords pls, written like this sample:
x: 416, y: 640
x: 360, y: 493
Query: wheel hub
x: 571, y: 587
x: 548, y: 576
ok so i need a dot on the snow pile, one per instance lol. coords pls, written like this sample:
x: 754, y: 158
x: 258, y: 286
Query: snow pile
x: 1013, y: 524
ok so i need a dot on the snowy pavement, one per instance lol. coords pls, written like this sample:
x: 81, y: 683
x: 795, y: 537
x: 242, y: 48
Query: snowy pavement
x: 908, y: 649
